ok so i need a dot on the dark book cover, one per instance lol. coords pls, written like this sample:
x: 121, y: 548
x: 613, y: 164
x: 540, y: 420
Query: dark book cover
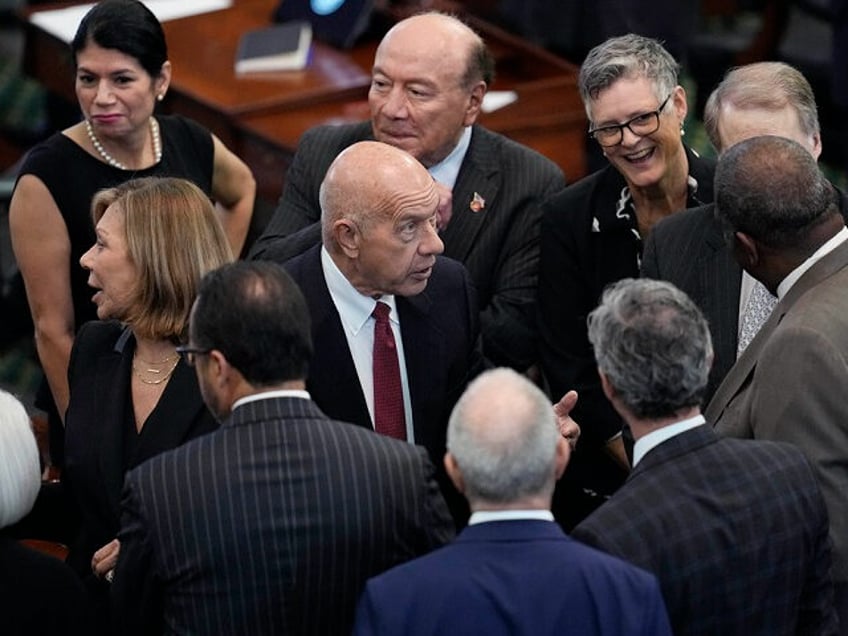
x: 282, y: 47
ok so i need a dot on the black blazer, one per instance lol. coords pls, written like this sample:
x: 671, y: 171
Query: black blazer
x: 735, y: 531
x: 99, y: 376
x: 440, y: 343
x: 270, y: 525
x: 498, y: 244
x: 688, y: 250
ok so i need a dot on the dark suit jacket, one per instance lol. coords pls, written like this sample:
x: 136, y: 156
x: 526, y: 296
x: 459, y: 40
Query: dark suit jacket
x: 271, y: 524
x: 735, y: 531
x: 96, y: 422
x: 688, y: 250
x: 513, y: 578
x: 439, y: 332
x: 790, y: 385
x: 499, y: 244
x: 586, y: 245
x: 39, y: 594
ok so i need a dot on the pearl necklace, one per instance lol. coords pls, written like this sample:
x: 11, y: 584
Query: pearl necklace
x: 154, y: 133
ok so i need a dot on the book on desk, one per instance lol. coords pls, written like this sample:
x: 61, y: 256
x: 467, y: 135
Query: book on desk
x: 281, y: 47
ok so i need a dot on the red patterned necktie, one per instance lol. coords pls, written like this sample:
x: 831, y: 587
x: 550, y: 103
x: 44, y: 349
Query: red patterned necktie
x: 388, y: 396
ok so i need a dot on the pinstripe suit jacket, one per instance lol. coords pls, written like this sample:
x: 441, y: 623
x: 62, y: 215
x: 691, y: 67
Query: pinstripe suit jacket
x: 510, y: 578
x: 271, y: 525
x: 688, y: 250
x: 736, y: 532
x: 499, y: 245
x: 790, y: 385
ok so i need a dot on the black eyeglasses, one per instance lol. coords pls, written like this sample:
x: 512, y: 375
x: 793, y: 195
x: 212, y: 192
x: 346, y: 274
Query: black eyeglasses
x: 188, y: 353
x: 640, y: 125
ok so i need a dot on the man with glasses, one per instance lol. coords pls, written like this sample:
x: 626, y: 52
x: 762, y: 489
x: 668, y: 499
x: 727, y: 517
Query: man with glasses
x: 592, y: 234
x: 273, y: 523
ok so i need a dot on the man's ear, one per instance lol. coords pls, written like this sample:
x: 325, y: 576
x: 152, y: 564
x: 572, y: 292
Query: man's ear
x: 608, y: 389
x: 454, y: 472
x: 746, y: 250
x: 347, y: 237
x: 218, y: 368
x: 563, y: 455
x: 475, y: 103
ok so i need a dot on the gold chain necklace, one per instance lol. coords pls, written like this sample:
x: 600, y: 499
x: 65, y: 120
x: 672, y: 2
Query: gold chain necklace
x: 158, y: 372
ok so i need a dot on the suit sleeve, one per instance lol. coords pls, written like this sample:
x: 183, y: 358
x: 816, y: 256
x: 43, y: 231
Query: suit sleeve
x: 798, y: 396
x: 136, y: 592
x: 507, y: 321
x: 437, y: 526
x: 298, y: 214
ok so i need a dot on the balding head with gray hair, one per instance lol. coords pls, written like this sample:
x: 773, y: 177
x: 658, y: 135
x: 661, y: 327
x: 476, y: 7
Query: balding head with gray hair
x: 504, y: 439
x: 20, y: 469
x: 653, y: 346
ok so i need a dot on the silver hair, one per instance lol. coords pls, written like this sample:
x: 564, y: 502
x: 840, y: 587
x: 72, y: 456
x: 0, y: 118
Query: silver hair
x: 653, y: 345
x: 770, y: 86
x: 629, y: 56
x: 503, y: 435
x: 20, y: 470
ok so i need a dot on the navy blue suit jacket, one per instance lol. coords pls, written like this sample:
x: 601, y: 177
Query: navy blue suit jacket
x: 735, y: 530
x: 513, y: 578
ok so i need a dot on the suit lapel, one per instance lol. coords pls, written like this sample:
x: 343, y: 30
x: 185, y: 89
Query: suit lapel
x: 739, y: 375
x: 477, y: 176
x: 111, y: 402
x: 333, y: 381
x: 423, y: 349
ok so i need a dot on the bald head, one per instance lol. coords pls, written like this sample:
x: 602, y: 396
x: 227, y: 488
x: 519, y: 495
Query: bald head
x: 781, y: 213
x: 378, y: 219
x: 504, y: 442
x: 430, y: 74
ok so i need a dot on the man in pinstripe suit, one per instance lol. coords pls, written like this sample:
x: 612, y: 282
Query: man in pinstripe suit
x: 429, y: 77
x: 272, y: 524
x: 736, y: 531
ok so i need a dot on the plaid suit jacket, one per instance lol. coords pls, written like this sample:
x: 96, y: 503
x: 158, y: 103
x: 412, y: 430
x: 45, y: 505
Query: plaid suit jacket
x: 735, y: 531
x: 270, y: 525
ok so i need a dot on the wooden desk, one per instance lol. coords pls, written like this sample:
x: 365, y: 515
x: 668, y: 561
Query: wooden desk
x: 262, y: 116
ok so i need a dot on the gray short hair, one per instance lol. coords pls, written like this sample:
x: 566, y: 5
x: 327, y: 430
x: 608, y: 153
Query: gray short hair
x: 627, y: 56
x: 653, y: 345
x: 771, y: 189
x: 20, y: 470
x: 503, y: 435
x: 767, y: 85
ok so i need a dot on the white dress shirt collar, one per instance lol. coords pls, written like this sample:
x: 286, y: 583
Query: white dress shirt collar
x: 267, y: 395
x: 653, y: 439
x: 484, y: 516
x: 835, y: 241
x: 447, y: 170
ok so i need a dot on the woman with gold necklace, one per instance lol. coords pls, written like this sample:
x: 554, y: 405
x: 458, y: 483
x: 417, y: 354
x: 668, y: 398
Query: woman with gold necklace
x: 131, y: 397
x: 122, y: 71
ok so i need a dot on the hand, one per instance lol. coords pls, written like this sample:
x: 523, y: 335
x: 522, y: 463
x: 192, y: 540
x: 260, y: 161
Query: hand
x: 445, y: 209
x: 567, y: 426
x: 105, y: 559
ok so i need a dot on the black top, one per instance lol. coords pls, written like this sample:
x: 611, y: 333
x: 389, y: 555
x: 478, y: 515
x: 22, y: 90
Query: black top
x: 73, y: 177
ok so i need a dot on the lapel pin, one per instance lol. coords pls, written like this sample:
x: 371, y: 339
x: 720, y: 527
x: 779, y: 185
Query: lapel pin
x: 477, y: 203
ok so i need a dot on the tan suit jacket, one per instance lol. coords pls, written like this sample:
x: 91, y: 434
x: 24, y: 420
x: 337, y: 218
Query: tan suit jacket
x: 791, y: 384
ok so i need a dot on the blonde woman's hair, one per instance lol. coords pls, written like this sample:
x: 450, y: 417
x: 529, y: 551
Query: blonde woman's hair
x: 173, y: 237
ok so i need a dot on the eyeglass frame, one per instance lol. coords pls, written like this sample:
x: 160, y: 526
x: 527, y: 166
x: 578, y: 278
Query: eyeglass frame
x: 655, y: 113
x: 188, y: 353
